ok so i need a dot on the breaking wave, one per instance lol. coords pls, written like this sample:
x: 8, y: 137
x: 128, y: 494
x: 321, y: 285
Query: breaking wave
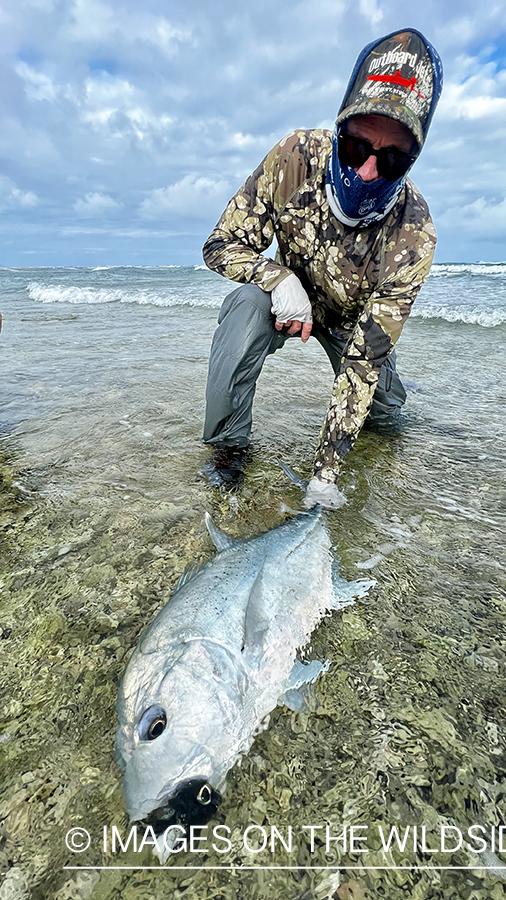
x: 465, y: 315
x: 469, y: 293
x: 453, y: 293
x: 451, y: 270
x: 183, y: 296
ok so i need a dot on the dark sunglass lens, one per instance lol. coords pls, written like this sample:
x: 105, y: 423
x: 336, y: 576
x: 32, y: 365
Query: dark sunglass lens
x: 353, y: 151
x: 393, y: 164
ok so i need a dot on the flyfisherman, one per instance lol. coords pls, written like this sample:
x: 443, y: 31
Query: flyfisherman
x: 356, y: 243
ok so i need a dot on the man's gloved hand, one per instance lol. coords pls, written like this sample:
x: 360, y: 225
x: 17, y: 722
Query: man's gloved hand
x: 291, y: 306
x: 324, y: 494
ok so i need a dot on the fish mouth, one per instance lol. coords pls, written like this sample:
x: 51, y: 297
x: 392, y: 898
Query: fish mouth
x: 194, y: 802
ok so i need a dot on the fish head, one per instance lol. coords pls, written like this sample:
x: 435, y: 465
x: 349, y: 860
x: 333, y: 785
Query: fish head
x: 178, y: 732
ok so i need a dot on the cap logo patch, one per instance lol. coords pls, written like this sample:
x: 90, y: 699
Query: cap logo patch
x: 394, y: 58
x: 397, y: 79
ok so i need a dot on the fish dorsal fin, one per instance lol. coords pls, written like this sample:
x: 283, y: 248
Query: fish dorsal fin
x: 220, y: 539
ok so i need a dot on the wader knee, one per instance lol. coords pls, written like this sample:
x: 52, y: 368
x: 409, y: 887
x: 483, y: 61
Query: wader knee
x: 244, y: 338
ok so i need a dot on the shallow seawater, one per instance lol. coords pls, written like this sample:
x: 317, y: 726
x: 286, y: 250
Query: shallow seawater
x: 101, y: 509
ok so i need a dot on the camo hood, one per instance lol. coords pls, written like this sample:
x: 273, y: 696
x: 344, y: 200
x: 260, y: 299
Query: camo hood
x: 399, y: 76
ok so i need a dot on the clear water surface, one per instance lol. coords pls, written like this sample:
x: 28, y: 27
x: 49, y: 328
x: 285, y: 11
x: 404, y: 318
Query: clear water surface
x: 102, y: 507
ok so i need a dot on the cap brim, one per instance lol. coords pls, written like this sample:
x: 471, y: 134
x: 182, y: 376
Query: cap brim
x: 381, y: 107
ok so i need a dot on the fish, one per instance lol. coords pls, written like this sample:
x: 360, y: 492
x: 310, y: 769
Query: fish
x: 214, y: 663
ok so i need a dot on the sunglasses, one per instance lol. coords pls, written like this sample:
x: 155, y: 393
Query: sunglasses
x: 391, y: 163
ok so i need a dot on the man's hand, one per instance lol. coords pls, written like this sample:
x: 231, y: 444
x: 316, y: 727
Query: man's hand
x: 321, y: 493
x: 291, y: 306
x: 294, y: 327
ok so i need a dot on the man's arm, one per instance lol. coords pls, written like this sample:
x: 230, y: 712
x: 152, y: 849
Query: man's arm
x: 372, y: 340
x: 246, y: 229
x: 235, y: 247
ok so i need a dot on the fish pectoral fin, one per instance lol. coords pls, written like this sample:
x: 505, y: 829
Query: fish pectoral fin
x: 220, y: 539
x: 257, y: 618
x: 305, y: 673
x: 302, y: 674
x: 344, y: 593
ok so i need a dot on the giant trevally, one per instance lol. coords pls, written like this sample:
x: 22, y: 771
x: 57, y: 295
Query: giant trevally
x: 215, y: 661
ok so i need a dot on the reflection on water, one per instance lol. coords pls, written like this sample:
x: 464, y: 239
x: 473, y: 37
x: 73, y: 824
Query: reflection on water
x: 102, y: 508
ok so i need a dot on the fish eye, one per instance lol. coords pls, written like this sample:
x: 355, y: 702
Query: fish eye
x: 152, y: 724
x: 156, y: 728
x: 204, y: 796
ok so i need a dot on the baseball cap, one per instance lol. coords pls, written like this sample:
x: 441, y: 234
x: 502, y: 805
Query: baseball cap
x: 399, y: 76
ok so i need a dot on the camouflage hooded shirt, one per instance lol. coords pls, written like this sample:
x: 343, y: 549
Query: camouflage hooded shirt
x: 361, y: 282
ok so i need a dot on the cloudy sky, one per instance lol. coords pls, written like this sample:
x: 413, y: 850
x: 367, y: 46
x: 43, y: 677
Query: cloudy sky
x: 126, y: 127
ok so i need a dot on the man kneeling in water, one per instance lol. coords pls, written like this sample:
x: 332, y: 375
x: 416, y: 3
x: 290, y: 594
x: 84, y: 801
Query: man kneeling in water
x: 356, y: 243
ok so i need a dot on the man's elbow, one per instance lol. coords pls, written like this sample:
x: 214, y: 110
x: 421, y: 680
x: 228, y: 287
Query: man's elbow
x: 212, y: 251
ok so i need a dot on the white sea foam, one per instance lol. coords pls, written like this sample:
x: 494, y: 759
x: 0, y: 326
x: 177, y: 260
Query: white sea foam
x: 452, y: 293
x: 43, y: 293
x: 59, y: 294
x: 464, y: 314
x: 449, y: 270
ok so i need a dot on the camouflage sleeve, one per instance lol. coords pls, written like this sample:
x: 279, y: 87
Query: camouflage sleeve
x: 235, y: 246
x: 371, y: 341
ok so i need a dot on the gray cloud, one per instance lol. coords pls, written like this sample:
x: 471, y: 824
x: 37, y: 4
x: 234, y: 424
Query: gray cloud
x: 153, y: 115
x: 192, y: 197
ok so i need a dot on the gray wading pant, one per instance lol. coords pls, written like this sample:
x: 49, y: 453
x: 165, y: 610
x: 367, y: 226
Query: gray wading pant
x: 244, y: 338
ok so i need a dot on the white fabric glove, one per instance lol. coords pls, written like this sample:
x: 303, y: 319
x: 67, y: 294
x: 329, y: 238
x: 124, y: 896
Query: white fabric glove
x: 290, y: 303
x: 323, y: 494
